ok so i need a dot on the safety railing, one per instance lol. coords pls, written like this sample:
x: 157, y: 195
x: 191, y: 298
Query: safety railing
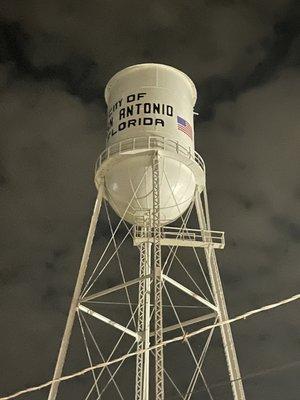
x: 149, y: 143
x: 216, y: 238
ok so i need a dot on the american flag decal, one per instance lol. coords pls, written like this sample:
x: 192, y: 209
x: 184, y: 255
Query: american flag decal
x: 184, y: 126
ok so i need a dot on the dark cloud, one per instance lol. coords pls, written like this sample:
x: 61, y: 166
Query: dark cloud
x: 55, y: 60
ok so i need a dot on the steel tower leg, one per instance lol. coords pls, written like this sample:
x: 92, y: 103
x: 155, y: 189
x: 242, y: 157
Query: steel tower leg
x: 228, y: 343
x: 72, y: 312
x: 158, y: 314
x: 143, y: 326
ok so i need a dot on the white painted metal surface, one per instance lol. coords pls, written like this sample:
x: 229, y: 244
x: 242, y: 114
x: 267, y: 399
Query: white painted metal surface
x: 150, y: 100
x: 108, y: 321
x: 155, y: 93
x: 173, y: 236
x: 143, y: 321
x: 150, y: 174
x: 157, y: 281
x: 189, y: 292
x: 228, y: 343
x: 76, y: 295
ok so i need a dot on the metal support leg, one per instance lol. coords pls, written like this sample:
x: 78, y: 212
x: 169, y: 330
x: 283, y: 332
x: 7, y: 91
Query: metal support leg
x: 228, y: 343
x: 147, y: 322
x: 143, y: 326
x: 72, y: 312
x: 159, y: 352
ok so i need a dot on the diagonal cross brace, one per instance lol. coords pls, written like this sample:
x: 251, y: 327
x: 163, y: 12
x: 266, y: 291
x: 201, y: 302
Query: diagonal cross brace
x: 187, y: 323
x: 109, y: 321
x: 189, y: 292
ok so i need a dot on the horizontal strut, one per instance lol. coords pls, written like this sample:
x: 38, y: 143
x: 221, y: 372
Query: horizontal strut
x: 113, y: 289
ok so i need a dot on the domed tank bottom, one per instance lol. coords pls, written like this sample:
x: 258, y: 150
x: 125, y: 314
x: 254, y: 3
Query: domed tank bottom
x: 150, y: 101
x: 129, y: 188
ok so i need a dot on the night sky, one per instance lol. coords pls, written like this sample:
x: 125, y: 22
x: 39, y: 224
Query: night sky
x: 56, y: 57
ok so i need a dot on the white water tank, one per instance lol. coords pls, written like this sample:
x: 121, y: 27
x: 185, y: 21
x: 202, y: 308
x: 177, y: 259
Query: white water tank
x: 150, y: 106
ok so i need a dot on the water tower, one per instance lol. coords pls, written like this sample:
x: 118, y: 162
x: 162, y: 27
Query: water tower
x: 151, y: 176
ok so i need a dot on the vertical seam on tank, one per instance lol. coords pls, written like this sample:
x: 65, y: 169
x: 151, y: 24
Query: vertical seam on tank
x: 184, y: 191
x: 180, y: 204
x: 166, y: 202
x: 133, y: 196
x: 177, y: 205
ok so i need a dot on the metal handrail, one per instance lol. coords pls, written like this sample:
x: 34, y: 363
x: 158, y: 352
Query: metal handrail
x: 186, y: 234
x: 148, y: 143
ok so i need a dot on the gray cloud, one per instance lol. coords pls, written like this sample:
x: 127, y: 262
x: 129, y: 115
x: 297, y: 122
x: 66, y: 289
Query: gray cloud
x: 56, y: 57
